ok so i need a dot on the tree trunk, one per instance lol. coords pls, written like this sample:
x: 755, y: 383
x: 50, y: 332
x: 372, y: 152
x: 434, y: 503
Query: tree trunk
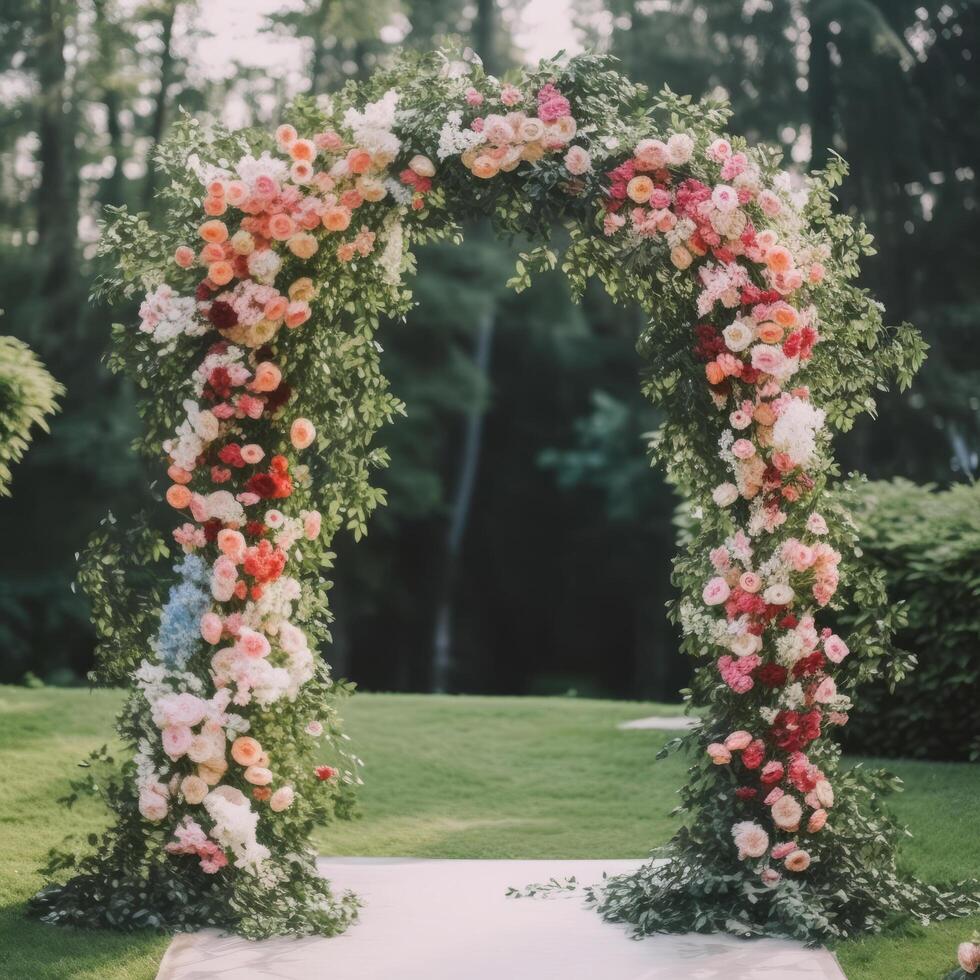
x: 159, y: 118
x: 111, y: 191
x: 57, y: 200
x: 821, y: 86
x: 442, y: 646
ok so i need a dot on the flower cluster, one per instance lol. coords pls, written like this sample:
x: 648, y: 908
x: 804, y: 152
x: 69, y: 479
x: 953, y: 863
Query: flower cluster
x: 500, y: 141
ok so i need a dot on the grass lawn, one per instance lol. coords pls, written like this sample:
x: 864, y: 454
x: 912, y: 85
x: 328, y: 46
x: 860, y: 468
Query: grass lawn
x: 447, y: 777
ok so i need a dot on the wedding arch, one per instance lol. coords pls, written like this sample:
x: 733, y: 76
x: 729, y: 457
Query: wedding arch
x: 262, y: 388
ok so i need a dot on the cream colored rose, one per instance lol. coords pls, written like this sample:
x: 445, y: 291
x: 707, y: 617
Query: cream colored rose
x: 194, y: 789
x: 786, y: 813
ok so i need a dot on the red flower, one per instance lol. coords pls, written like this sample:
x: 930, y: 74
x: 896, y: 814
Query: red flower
x: 809, y: 665
x: 745, y: 792
x: 263, y: 562
x: 231, y: 455
x: 326, y: 772
x: 753, y: 754
x: 792, y: 731
x: 263, y: 485
x: 771, y: 675
x: 222, y: 315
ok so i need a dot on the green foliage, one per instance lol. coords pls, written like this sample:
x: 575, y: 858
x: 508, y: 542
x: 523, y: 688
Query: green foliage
x: 27, y: 395
x: 924, y: 544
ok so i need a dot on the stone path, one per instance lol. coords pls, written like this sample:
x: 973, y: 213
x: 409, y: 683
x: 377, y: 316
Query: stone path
x: 450, y: 920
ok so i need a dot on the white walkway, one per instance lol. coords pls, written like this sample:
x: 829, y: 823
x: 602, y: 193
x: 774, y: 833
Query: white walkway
x: 667, y: 723
x: 450, y: 920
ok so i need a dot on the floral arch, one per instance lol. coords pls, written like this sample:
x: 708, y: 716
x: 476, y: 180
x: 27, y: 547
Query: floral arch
x: 262, y: 388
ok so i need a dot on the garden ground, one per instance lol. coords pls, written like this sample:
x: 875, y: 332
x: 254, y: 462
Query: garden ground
x: 448, y: 777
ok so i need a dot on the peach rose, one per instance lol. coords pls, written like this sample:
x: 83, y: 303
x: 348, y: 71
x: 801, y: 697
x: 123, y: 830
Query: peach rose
x: 301, y: 433
x: 358, y: 161
x: 268, y: 377
x: 485, y: 167
x: 336, y: 219
x: 178, y: 496
x: 184, y: 256
x: 232, y: 543
x: 422, y: 166
x: 178, y: 475
x: 769, y: 332
x: 817, y: 821
x: 212, y: 253
x: 194, y: 789
x: 281, y: 226
x: 261, y: 793
x: 797, y: 861
x: 639, y: 189
x: 779, y: 259
x: 737, y: 741
x: 298, y: 312
x: 302, y: 289
x: 786, y: 813
x: 212, y: 770
x: 281, y: 799
x: 303, y: 246
x: 720, y: 756
x: 968, y: 957
x: 258, y: 776
x: 214, y: 232
x: 303, y: 150
x: 221, y: 273
x: 245, y: 750
x: 286, y: 135
x: 252, y: 453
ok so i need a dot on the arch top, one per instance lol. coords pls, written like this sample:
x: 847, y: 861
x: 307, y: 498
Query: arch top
x: 264, y: 392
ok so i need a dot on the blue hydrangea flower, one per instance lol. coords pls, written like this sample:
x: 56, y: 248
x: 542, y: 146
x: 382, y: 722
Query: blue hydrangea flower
x: 179, y: 636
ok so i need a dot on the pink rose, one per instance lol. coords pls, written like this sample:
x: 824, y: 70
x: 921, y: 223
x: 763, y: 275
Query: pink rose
x: 816, y: 822
x: 253, y: 644
x: 750, y: 582
x: 781, y: 850
x: 786, y: 813
x: 770, y: 877
x: 281, y: 799
x: 743, y: 449
x: 720, y: 756
x: 211, y: 627
x: 737, y: 741
x: 302, y: 433
x: 314, y: 728
x: 176, y: 740
x: 835, y: 648
x: 797, y: 861
x: 311, y: 524
x: 716, y: 591
x: 750, y: 839
x: 578, y: 161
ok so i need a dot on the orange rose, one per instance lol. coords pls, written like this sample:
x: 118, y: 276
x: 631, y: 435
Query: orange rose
x: 769, y: 332
x: 221, y: 273
x: 714, y: 373
x: 214, y: 232
x: 178, y: 496
x: 358, y: 161
x: 639, y: 189
x: 302, y: 246
x: 336, y: 219
x: 245, y: 750
x: 485, y: 167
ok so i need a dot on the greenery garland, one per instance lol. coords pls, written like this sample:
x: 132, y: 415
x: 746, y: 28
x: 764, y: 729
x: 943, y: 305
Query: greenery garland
x: 746, y: 279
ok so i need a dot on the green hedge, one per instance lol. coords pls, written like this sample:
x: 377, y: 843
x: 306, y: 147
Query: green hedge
x: 927, y: 543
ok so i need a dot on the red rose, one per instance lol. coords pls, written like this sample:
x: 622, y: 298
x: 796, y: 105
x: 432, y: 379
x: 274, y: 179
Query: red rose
x: 809, y: 665
x: 231, y: 455
x: 753, y: 754
x: 263, y: 485
x: 771, y: 675
x: 745, y: 792
x: 326, y: 772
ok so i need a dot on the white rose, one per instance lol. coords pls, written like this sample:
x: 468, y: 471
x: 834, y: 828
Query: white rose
x: 746, y: 644
x: 680, y: 146
x: 738, y: 336
x: 778, y: 595
x: 725, y: 494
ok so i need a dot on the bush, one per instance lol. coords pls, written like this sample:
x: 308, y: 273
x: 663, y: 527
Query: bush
x: 927, y: 543
x: 27, y: 394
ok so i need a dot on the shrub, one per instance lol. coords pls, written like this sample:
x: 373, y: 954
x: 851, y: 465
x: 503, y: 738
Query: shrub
x: 27, y: 394
x: 927, y: 543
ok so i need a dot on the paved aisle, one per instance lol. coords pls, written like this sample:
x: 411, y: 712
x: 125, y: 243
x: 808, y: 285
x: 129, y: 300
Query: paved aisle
x: 449, y: 920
